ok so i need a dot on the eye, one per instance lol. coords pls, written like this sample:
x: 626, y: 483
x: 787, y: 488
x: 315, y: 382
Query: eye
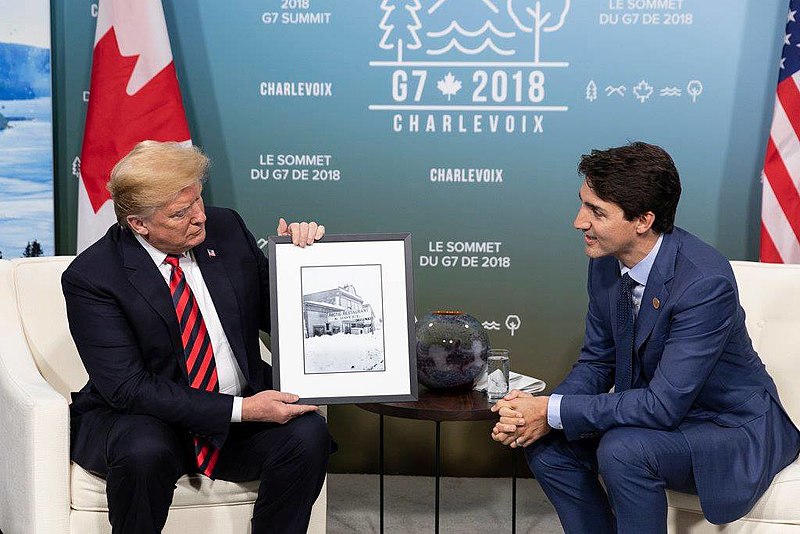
x: 178, y: 215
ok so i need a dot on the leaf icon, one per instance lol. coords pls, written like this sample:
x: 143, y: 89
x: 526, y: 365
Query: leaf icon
x: 448, y: 85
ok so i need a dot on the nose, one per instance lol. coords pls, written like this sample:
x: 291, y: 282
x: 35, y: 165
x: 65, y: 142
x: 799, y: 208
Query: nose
x: 198, y: 213
x: 581, y: 222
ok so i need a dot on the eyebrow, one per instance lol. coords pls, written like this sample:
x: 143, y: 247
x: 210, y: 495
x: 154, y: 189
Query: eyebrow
x: 184, y: 208
x: 590, y: 205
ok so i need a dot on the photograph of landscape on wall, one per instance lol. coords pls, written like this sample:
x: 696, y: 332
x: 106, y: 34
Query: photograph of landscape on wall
x: 26, y: 130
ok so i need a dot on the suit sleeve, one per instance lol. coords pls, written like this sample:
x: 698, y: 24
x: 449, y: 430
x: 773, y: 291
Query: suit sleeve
x: 262, y: 266
x: 701, y: 323
x: 263, y: 275
x: 109, y: 350
x: 593, y: 373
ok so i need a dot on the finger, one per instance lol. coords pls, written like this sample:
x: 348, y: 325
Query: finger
x: 312, y: 233
x: 508, y: 429
x: 516, y: 421
x: 300, y: 409
x: 294, y: 231
x: 303, y: 237
x: 288, y: 398
x: 510, y: 441
x: 498, y: 405
x: 282, y: 226
x: 513, y: 394
x: 320, y: 232
x: 500, y: 437
x: 508, y: 411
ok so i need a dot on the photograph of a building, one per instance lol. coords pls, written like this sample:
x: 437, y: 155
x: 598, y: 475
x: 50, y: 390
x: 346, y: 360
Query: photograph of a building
x: 342, y: 319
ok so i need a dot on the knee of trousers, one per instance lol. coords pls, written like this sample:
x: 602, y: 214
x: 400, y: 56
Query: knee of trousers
x: 620, y: 449
x: 547, y: 456
x: 150, y: 460
x: 310, y: 433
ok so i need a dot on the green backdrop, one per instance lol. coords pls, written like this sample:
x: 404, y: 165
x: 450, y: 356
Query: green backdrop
x: 404, y: 94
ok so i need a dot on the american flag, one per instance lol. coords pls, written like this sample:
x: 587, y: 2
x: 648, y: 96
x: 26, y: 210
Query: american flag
x: 780, y: 204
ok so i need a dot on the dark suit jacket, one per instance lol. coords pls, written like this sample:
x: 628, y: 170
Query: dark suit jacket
x: 695, y: 370
x: 124, y: 324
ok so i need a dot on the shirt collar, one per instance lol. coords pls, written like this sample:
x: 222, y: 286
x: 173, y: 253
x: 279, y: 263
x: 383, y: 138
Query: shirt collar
x: 641, y: 271
x: 157, y: 256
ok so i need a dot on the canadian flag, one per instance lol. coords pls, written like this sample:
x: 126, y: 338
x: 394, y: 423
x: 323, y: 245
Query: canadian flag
x: 134, y: 95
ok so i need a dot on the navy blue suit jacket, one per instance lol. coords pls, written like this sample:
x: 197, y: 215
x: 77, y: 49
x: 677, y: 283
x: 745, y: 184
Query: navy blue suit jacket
x: 695, y: 370
x: 124, y: 324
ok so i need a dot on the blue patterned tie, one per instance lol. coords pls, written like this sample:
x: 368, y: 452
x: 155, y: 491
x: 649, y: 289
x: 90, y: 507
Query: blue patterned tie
x: 625, y: 319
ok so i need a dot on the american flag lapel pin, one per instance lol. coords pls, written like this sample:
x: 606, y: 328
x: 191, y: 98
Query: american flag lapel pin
x: 211, y: 253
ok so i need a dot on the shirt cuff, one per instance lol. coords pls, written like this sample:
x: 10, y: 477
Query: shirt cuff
x: 554, y: 411
x: 236, y: 413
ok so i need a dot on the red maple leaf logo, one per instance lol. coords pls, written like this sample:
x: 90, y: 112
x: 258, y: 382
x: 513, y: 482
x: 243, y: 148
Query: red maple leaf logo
x: 116, y: 121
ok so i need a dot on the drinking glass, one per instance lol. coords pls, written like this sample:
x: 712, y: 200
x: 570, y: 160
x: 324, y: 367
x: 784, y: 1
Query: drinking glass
x: 497, y: 371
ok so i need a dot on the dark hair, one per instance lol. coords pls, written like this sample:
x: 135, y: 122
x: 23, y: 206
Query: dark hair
x: 638, y: 177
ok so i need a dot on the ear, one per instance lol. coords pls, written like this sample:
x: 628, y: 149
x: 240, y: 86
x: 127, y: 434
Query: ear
x: 137, y: 225
x: 644, y: 222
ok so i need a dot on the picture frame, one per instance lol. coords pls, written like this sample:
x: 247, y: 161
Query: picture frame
x: 342, y: 318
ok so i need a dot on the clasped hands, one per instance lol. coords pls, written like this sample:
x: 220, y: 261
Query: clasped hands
x: 523, y: 419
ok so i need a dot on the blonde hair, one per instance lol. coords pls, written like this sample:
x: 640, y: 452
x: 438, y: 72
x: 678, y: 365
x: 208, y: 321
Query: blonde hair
x: 152, y: 175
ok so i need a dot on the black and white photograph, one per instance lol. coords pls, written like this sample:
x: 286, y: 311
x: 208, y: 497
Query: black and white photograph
x: 342, y: 319
x: 342, y: 313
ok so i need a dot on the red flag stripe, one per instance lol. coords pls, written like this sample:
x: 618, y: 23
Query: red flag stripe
x: 789, y: 98
x: 782, y: 185
x: 769, y: 252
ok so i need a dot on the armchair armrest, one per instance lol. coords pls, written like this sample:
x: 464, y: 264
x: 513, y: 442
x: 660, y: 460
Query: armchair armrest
x: 34, y: 435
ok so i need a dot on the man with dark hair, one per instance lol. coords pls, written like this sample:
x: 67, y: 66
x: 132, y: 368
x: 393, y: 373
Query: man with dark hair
x: 692, y: 407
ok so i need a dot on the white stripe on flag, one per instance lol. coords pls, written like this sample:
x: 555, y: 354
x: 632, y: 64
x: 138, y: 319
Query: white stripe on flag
x: 786, y: 142
x: 778, y: 226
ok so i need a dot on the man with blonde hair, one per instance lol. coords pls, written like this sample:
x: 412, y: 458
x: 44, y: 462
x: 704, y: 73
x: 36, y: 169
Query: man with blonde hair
x: 165, y: 311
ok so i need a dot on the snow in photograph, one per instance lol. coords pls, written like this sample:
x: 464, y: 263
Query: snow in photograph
x: 342, y: 319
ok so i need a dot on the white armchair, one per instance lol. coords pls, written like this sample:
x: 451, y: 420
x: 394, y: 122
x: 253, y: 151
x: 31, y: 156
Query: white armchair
x: 41, y: 491
x: 770, y: 295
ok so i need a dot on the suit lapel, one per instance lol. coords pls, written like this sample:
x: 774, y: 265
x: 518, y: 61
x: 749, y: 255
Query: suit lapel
x: 148, y: 281
x: 215, y: 276
x: 656, y: 288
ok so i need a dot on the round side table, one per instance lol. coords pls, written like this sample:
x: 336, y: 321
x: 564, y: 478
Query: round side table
x: 440, y: 406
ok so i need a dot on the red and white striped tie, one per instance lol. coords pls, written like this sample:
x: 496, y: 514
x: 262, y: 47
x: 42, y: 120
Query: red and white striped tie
x: 200, y: 364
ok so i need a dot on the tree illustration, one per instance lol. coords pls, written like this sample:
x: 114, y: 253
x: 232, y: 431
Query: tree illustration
x: 532, y: 10
x: 33, y: 250
x: 400, y: 24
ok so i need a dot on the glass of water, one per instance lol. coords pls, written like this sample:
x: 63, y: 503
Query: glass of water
x: 497, y: 370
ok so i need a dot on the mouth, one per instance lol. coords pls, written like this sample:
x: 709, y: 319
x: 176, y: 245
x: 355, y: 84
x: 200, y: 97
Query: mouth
x: 588, y: 239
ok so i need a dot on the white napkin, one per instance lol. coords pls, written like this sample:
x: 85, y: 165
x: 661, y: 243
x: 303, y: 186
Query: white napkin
x: 524, y: 383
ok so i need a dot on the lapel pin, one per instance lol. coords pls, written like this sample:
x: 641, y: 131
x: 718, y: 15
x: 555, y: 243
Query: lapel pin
x: 212, y: 254
x: 656, y: 303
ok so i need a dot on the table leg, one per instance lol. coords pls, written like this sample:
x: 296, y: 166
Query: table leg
x: 513, y: 491
x: 381, y: 469
x: 438, y: 470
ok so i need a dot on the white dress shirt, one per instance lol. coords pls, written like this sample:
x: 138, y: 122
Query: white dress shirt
x: 229, y: 375
x: 639, y: 273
